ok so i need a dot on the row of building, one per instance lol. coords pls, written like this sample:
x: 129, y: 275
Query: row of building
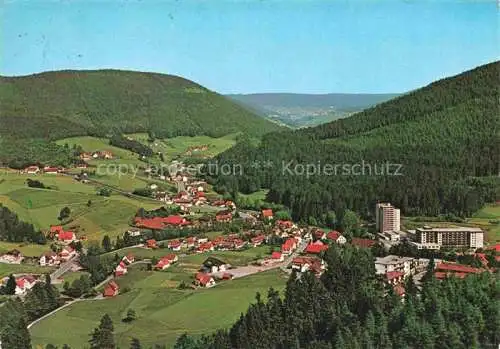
x: 387, y: 224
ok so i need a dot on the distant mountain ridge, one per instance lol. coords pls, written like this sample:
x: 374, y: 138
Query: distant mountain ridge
x: 60, y: 104
x: 299, y: 110
x: 341, y: 101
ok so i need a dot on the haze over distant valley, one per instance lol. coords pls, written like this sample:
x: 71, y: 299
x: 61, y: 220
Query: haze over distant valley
x: 303, y: 110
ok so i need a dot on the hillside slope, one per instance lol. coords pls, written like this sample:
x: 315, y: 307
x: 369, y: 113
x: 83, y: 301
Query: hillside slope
x: 69, y: 103
x: 444, y: 136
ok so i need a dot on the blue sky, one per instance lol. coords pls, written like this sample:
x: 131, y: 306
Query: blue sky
x: 358, y: 46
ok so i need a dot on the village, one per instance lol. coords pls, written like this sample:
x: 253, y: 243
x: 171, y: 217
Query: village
x: 192, y: 240
x: 292, y: 248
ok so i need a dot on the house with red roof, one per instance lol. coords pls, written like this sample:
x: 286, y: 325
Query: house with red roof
x: 267, y: 214
x: 285, y: 225
x: 258, y: 240
x: 32, y: 170
x: 175, y: 220
x: 204, y: 247
x: 163, y: 263
x: 335, y: 236
x: 288, y: 246
x: 204, y: 280
x: 444, y: 270
x: 129, y: 258
x: 151, y: 243
x: 314, y: 248
x: 363, y: 243
x: 174, y: 245
x: 149, y: 223
x: 277, y: 256
x: 394, y: 277
x: 111, y: 289
x: 66, y: 236
x: 50, y: 170
x: 55, y: 230
x: 24, y: 284
x: 121, y: 269
x: 224, y: 216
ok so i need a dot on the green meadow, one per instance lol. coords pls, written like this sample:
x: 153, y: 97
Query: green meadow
x: 41, y: 207
x: 163, y: 313
x: 7, y: 269
x: 177, y: 146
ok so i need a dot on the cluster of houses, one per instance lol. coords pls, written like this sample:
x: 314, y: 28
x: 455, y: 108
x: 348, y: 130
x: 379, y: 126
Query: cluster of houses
x: 166, y: 261
x: 49, y: 258
x: 121, y: 269
x: 34, y: 170
x: 196, y: 149
x: 103, y: 154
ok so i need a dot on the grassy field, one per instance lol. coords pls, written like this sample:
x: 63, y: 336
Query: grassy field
x: 41, y: 207
x: 6, y: 269
x: 488, y: 218
x: 257, y: 196
x: 163, y: 313
x: 28, y: 250
x: 177, y: 146
x: 91, y: 144
x: 194, y: 261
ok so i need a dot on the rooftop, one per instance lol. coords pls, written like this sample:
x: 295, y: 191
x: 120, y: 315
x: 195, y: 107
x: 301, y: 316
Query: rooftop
x: 447, y: 230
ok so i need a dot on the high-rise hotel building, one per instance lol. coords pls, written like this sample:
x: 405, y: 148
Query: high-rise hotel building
x: 387, y: 218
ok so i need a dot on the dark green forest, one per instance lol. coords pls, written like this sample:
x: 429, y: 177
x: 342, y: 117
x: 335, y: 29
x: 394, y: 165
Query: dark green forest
x: 349, y: 308
x: 442, y: 138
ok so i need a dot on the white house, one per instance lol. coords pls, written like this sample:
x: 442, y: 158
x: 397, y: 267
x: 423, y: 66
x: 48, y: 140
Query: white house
x: 12, y: 257
x: 49, y: 259
x: 391, y: 263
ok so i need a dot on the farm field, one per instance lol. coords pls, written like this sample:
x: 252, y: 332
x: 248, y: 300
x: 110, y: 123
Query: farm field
x: 163, y: 313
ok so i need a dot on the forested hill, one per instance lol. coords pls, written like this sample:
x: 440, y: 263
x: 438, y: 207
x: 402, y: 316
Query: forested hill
x: 469, y: 88
x: 445, y: 136
x: 68, y: 103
